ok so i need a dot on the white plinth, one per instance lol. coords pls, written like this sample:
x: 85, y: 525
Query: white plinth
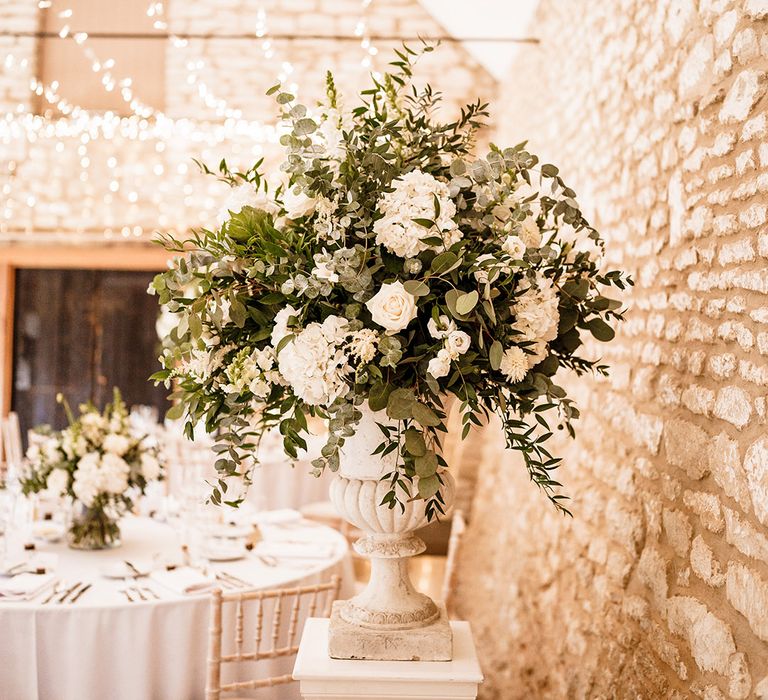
x: 324, y: 678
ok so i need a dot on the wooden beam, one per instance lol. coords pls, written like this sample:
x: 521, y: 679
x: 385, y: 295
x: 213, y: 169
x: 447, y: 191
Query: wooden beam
x: 102, y: 257
x: 7, y: 276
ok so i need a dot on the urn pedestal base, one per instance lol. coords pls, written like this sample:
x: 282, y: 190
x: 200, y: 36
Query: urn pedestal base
x: 431, y: 643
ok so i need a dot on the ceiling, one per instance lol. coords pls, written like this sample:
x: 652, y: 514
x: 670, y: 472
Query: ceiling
x: 487, y: 19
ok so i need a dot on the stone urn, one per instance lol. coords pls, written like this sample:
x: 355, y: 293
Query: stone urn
x: 390, y: 620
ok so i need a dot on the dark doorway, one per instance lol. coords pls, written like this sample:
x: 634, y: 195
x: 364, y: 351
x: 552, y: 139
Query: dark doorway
x: 81, y: 332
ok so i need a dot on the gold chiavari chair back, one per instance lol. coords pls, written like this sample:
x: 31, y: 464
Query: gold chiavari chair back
x: 252, y: 612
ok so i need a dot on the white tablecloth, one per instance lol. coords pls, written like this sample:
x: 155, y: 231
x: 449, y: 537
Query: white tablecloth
x: 105, y: 648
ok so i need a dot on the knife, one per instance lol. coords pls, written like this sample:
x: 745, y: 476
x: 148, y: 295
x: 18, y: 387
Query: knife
x: 69, y: 590
x: 80, y: 592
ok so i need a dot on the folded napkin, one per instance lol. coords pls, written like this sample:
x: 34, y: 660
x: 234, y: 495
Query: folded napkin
x: 184, y: 580
x: 24, y: 586
x: 296, y: 550
x: 277, y: 517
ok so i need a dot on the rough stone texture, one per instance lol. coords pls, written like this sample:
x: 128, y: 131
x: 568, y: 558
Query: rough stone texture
x: 658, y: 587
x: 113, y: 186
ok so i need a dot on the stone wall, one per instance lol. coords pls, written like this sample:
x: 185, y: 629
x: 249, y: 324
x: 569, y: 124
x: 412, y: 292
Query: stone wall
x: 116, y: 181
x: 658, y: 586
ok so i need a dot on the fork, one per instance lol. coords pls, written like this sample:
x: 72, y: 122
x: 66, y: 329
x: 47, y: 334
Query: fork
x: 58, y: 587
x: 125, y: 592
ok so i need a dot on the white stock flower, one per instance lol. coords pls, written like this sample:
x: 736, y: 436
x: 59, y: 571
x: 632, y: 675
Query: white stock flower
x: 244, y: 196
x: 440, y: 365
x: 150, y: 467
x: 514, y: 364
x: 457, y: 343
x: 514, y: 247
x: 87, y: 481
x: 413, y: 197
x: 116, y: 443
x: 530, y: 233
x: 392, y: 307
x: 280, y: 329
x: 57, y: 482
x: 93, y: 424
x: 298, y: 205
x: 314, y: 365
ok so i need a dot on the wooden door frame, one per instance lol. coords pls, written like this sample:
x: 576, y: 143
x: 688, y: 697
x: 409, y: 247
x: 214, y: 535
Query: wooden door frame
x: 12, y: 258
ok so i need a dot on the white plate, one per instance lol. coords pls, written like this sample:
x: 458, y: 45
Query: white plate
x: 231, y: 532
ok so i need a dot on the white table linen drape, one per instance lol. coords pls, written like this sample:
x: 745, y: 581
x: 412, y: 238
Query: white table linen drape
x: 104, y: 647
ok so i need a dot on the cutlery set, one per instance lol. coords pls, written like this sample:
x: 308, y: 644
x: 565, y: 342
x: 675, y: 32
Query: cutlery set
x: 139, y: 593
x: 231, y: 582
x: 61, y: 594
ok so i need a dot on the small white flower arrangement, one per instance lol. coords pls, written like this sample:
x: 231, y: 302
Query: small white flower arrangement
x: 389, y: 266
x: 98, y: 462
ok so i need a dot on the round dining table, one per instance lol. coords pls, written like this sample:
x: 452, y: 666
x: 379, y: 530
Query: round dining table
x: 114, y: 643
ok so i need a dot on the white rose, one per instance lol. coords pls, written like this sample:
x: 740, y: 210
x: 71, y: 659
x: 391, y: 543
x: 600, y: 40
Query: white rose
x: 150, y: 467
x: 57, y: 482
x: 514, y: 364
x: 298, y: 205
x: 280, y: 329
x: 457, y: 343
x: 514, y: 247
x: 440, y: 365
x: 116, y: 444
x: 443, y: 328
x: 392, y: 308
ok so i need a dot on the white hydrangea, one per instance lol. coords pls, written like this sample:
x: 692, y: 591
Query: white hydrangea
x: 150, y: 467
x: 116, y: 443
x: 114, y: 473
x: 413, y: 197
x: 537, y: 317
x: 514, y: 364
x: 245, y: 196
x: 57, y: 482
x: 314, y: 363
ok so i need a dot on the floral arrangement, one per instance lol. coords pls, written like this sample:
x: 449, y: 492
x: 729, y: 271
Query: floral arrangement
x: 385, y: 265
x: 98, y: 461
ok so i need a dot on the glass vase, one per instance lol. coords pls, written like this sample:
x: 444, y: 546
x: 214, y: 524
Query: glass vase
x: 92, y: 528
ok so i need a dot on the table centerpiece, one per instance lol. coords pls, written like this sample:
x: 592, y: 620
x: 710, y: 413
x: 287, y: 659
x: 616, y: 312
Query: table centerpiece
x: 383, y: 271
x: 98, y: 463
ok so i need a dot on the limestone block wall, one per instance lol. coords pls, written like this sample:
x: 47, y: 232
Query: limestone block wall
x: 658, y: 586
